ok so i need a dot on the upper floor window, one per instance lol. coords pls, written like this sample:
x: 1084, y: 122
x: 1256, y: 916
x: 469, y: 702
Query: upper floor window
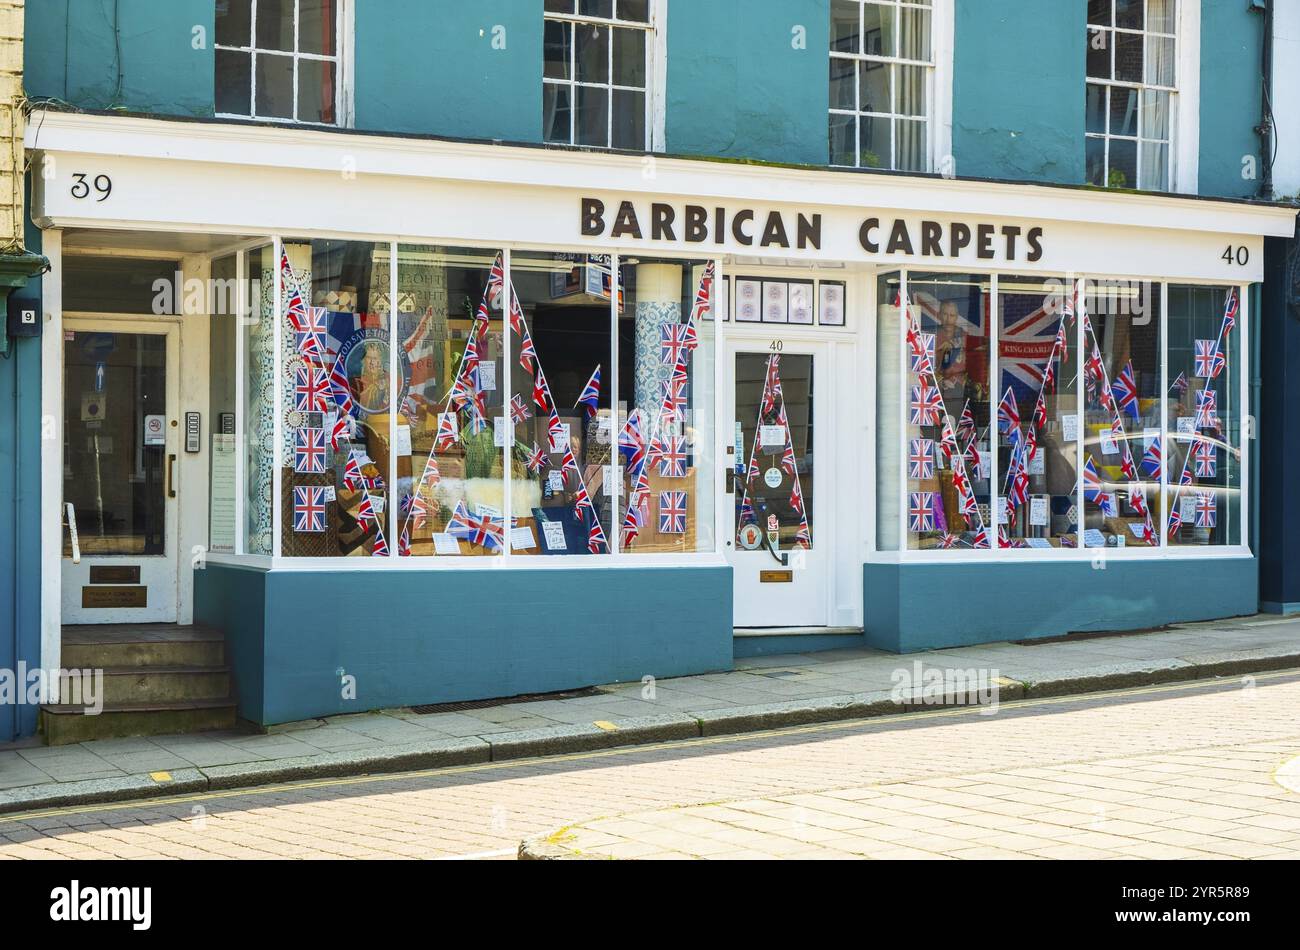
x: 279, y: 59
x: 1132, y: 87
x: 882, y: 84
x: 598, y: 76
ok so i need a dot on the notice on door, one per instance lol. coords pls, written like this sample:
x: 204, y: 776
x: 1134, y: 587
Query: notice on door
x: 155, y: 430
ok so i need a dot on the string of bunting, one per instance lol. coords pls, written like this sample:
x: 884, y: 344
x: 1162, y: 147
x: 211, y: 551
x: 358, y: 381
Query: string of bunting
x: 773, y: 400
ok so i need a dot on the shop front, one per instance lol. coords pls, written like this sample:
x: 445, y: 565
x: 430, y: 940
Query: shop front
x: 417, y: 421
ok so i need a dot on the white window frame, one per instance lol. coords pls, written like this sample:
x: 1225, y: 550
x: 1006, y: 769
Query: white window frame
x: 1177, y: 112
x: 656, y: 74
x: 343, y: 60
x: 938, y: 87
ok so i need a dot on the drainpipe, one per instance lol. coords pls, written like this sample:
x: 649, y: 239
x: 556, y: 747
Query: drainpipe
x: 1265, y: 128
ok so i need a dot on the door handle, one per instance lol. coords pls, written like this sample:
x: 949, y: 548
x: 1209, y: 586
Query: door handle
x: 171, y: 489
x: 783, y: 558
x: 71, y: 515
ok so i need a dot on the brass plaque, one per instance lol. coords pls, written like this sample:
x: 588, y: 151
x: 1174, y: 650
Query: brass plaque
x: 115, y: 574
x: 775, y: 577
x: 114, y: 596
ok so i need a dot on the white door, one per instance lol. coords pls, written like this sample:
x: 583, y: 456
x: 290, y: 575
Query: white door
x: 121, y: 439
x: 778, y: 543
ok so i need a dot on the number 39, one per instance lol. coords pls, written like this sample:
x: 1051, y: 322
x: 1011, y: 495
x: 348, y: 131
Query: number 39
x: 81, y: 188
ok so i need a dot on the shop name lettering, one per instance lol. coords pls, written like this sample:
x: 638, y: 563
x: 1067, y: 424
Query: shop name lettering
x: 696, y: 224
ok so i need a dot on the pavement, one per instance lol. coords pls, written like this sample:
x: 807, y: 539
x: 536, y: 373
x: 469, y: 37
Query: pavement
x: 761, y: 693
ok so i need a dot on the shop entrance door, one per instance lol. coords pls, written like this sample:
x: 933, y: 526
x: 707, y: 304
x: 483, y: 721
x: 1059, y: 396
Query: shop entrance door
x: 120, y: 498
x: 778, y: 543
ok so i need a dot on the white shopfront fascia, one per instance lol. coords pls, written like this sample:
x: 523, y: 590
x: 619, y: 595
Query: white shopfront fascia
x: 215, y: 178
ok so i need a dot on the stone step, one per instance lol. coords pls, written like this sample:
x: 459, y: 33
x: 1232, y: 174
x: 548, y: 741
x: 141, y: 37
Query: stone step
x: 63, y: 725
x: 198, y: 647
x: 165, y: 684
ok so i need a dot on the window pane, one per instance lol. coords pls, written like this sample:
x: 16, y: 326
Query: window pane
x: 593, y: 53
x: 1099, y: 43
x: 1123, y: 164
x: 592, y: 126
x: 1099, y: 12
x: 337, y: 392
x: 317, y: 26
x: 1038, y: 432
x: 774, y: 410
x: 274, y: 86
x: 1160, y: 60
x: 223, y: 327
x: 1155, y: 114
x: 275, y: 24
x: 879, y: 29
x: 259, y: 402
x: 1128, y: 57
x: 875, y: 80
x: 556, y: 50
x: 556, y: 112
x: 889, y: 439
x: 875, y: 140
x: 629, y: 120
x: 947, y: 412
x: 560, y: 6
x: 234, y: 22
x: 1122, y: 413
x: 1204, y: 476
x: 911, y: 143
x: 1128, y: 14
x: 598, y: 8
x: 1161, y: 15
x: 234, y: 83
x: 1155, y: 166
x: 843, y: 90
x: 1095, y: 108
x: 844, y: 26
x: 451, y: 486
x: 843, y: 140
x: 638, y: 10
x: 315, y: 91
x: 911, y: 98
x: 914, y: 42
x: 629, y: 57
x: 1096, y: 161
x: 1123, y: 111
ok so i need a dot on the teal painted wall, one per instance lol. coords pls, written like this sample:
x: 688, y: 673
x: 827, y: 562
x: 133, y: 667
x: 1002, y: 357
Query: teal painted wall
x: 412, y: 637
x: 428, y: 66
x: 737, y: 87
x: 1231, y: 37
x: 911, y: 607
x: 1018, y: 89
x: 72, y: 53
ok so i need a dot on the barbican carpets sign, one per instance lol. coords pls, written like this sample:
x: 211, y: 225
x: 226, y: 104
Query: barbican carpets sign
x: 697, y: 224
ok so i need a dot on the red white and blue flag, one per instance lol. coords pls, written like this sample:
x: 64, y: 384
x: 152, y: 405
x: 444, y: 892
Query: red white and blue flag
x: 309, y: 340
x: 590, y: 398
x: 672, y: 512
x: 1009, y: 416
x: 1126, y: 391
x: 1180, y: 384
x: 1026, y: 341
x: 1091, y: 480
x: 1207, y: 404
x: 1229, y: 313
x: 1207, y: 509
x: 1207, y: 459
x: 920, y: 461
x: 309, y: 451
x: 675, y: 343
x: 920, y: 512
x: 310, y: 389
x: 926, y: 404
x: 485, y: 531
x: 923, y: 354
x: 537, y: 459
x: 1151, y: 459
x: 672, y: 457
x: 519, y: 411
x: 1206, y: 359
x: 309, y: 508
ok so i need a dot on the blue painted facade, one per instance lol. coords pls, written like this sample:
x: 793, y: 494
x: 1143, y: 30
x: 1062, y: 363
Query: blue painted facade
x: 747, y: 80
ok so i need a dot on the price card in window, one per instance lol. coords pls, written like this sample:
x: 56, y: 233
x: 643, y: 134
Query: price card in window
x: 487, y: 376
x: 1138, y: 528
x: 330, y: 494
x: 1149, y: 437
x: 1108, y: 444
x: 983, y: 467
x: 1186, y: 425
x: 553, y: 536
x: 560, y: 439
x: 445, y: 544
x: 500, y: 432
x: 604, y: 426
x: 1038, y: 542
x: 771, y: 437
x: 609, y: 475
x: 555, y: 480
x: 403, y: 445
x: 377, y: 503
x: 521, y: 539
x: 1038, y: 511
x: 1002, y: 514
x: 1037, y: 461
x: 487, y: 511
x: 1187, y: 508
x: 1069, y: 427
x: 1093, y: 538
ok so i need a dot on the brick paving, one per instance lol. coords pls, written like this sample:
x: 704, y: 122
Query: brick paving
x: 1175, y: 771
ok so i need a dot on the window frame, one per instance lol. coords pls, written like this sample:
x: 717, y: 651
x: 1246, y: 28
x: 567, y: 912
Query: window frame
x: 656, y: 66
x: 343, y: 60
x: 900, y: 552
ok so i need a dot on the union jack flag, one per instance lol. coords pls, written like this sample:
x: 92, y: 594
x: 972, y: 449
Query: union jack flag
x: 596, y: 543
x: 482, y: 530
x: 949, y: 541
x: 537, y: 459
x: 310, y: 386
x: 1207, y: 460
x: 1126, y: 391
x: 920, y: 463
x: 419, y: 511
x: 632, y: 442
x: 448, y: 433
x: 926, y: 403
x: 1027, y: 341
x: 672, y: 512
x: 309, y: 451
x: 295, y: 306
x: 966, y: 428
x: 1207, y: 404
x: 672, y: 457
x: 1207, y: 514
x: 527, y: 353
x: 541, y: 392
x: 310, y: 339
x: 920, y: 512
x: 1151, y: 459
x: 674, y: 395
x: 1207, y: 359
x: 1175, y: 518
x: 366, y: 510
x: 1091, y: 480
x: 675, y: 343
x: 796, y: 498
x: 772, y: 385
x: 403, y: 544
x: 1180, y: 384
x: 923, y: 354
x: 519, y: 410
x: 1126, y: 462
x: 981, y: 538
x: 380, y: 547
x: 309, y: 509
x: 747, y: 513
x: 1229, y: 313
x: 590, y: 397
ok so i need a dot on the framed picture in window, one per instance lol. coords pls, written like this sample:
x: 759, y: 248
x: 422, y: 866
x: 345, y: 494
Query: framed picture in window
x: 721, y: 304
x: 830, y: 311
x: 801, y: 302
x: 776, y: 301
x: 749, y: 301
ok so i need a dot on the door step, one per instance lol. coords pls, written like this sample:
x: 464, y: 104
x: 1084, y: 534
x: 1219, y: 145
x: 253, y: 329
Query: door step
x: 63, y: 725
x: 164, y: 684
x: 797, y: 631
x: 124, y: 646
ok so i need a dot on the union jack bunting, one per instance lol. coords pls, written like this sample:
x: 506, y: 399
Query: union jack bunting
x: 672, y: 457
x: 1018, y: 492
x: 1126, y: 391
x: 341, y: 429
x: 403, y: 544
x: 772, y: 385
x: 1040, y: 410
x: 448, y: 433
x: 1062, y: 338
x: 309, y: 451
x: 923, y: 354
x: 674, y: 343
x: 981, y: 538
x: 926, y: 404
x: 1151, y: 459
x: 796, y: 498
x: 674, y: 395
x: 366, y: 510
x: 541, y: 392
x: 974, y: 461
x: 1207, y: 459
x: 527, y: 353
x: 595, y: 535
x: 295, y: 307
x: 537, y: 459
x: 747, y: 513
x: 631, y: 441
x: 519, y: 411
x: 1180, y: 384
x: 966, y: 428
x: 1207, y: 514
x: 803, y: 537
x: 672, y: 512
x: 1137, y: 501
x: 310, y: 388
x: 482, y: 530
x: 310, y: 339
x: 1175, y: 518
x: 1207, y: 404
x: 920, y: 461
x: 590, y: 398
x: 1126, y: 465
x: 1206, y: 358
x: 788, y: 462
x: 380, y: 547
x: 920, y: 512
x: 1095, y: 367
x: 420, y: 511
x: 949, y: 541
x: 1229, y: 313
x: 309, y: 509
x: 1109, y: 507
x: 1008, y: 414
x: 1091, y: 480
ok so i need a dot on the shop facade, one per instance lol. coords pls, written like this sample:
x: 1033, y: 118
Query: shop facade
x: 445, y: 421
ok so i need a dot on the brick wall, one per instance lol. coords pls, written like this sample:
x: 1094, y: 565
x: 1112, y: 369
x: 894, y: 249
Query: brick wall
x: 11, y: 122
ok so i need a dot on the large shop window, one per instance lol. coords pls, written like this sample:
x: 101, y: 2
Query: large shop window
x: 597, y: 74
x: 279, y: 59
x: 1131, y: 90
x: 881, y: 82
x: 1109, y: 418
x: 471, y: 403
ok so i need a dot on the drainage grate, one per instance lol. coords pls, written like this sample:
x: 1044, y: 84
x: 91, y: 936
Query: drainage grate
x: 507, y: 701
